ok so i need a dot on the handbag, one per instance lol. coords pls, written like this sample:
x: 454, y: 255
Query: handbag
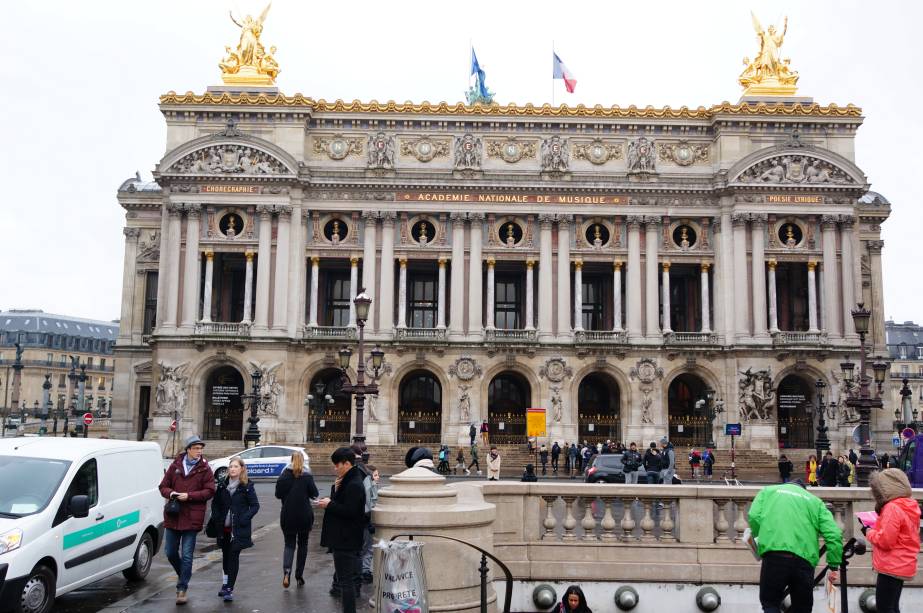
x: 172, y: 507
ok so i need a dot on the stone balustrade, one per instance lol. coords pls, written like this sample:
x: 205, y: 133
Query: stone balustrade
x: 608, y: 337
x: 225, y: 329
x: 800, y: 338
x: 330, y: 332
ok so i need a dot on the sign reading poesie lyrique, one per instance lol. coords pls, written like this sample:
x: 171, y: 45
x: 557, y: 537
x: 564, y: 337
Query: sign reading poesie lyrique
x: 510, y: 198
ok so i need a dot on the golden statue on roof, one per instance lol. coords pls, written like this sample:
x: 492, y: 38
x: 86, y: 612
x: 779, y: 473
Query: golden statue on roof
x: 250, y: 64
x: 769, y: 74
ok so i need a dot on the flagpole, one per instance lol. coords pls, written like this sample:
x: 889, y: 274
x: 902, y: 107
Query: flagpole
x: 468, y: 75
x: 552, y: 73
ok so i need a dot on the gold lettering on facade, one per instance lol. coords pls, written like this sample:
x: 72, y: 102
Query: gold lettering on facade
x: 230, y: 189
x: 794, y: 199
x: 510, y: 198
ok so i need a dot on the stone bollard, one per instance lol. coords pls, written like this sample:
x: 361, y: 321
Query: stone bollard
x: 418, y: 500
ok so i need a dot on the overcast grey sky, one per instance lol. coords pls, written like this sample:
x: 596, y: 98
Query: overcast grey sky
x: 81, y: 82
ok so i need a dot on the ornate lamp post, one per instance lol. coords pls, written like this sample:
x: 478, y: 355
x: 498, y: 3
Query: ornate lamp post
x: 318, y: 402
x: 821, y: 443
x: 905, y: 416
x: 710, y: 413
x: 252, y: 436
x: 861, y: 399
x: 361, y: 388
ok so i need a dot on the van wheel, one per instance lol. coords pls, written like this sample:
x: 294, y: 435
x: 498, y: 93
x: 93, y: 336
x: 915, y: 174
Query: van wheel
x: 37, y: 594
x: 220, y: 474
x: 144, y: 556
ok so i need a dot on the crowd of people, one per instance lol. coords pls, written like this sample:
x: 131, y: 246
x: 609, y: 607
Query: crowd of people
x: 829, y: 472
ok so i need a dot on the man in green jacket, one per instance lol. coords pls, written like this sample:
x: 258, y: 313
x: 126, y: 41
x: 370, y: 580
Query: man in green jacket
x: 786, y: 521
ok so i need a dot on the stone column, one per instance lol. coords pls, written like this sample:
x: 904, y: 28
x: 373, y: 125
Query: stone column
x: 758, y: 274
x: 530, y: 295
x: 812, y: 298
x: 578, y: 294
x: 706, y: 299
x: 723, y: 278
x: 129, y: 277
x: 877, y: 323
x: 315, y: 280
x: 652, y: 295
x: 191, y: 269
x: 207, y: 290
x: 163, y: 265
x: 617, y: 296
x: 402, y: 294
x: 545, y: 289
x: 475, y: 279
x: 773, y: 298
x: 354, y: 288
x: 386, y: 294
x: 457, y: 311
x: 490, y: 292
x: 831, y: 291
x: 263, y: 259
x: 248, y: 288
x: 633, y: 289
x: 440, y: 309
x: 564, y: 303
x: 280, y: 298
x: 741, y: 304
x: 295, y: 272
x: 847, y: 264
x: 172, y: 280
x: 665, y: 288
x: 303, y: 287
x: 369, y: 245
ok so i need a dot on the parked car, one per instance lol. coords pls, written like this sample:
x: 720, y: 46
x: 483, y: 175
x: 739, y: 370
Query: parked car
x: 605, y: 468
x: 69, y: 516
x: 262, y: 462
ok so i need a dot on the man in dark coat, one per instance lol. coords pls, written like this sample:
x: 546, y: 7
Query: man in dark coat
x: 345, y: 523
x: 555, y: 455
x: 189, y: 480
x: 829, y: 469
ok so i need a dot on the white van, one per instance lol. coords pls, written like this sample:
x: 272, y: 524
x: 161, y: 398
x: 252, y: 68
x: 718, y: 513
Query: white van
x: 73, y: 511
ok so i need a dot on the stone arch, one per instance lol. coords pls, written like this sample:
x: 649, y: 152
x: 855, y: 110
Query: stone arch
x: 202, y: 411
x: 288, y: 165
x: 796, y: 396
x: 598, y: 410
x: 855, y: 178
x: 394, y: 387
x: 621, y: 379
x: 420, y: 407
x: 509, y: 395
x: 687, y: 419
x: 535, y: 386
x: 328, y: 421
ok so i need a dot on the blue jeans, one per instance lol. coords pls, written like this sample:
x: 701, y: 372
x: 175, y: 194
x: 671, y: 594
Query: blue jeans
x: 182, y: 564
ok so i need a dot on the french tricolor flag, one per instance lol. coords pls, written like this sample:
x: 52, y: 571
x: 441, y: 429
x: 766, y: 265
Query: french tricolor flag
x: 561, y: 72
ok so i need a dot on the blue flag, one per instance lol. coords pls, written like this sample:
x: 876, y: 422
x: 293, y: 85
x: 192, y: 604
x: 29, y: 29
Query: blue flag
x: 476, y: 70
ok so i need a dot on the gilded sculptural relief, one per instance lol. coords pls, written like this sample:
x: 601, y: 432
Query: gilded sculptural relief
x: 249, y: 63
x: 769, y: 74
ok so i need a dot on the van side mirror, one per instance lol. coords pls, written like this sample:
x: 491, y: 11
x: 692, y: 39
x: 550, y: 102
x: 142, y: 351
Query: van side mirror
x: 79, y: 506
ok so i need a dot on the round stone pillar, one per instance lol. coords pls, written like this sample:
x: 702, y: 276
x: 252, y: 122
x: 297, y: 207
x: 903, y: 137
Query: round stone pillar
x: 418, y: 500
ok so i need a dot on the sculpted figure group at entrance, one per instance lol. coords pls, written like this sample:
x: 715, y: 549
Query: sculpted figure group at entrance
x: 756, y: 395
x: 170, y: 398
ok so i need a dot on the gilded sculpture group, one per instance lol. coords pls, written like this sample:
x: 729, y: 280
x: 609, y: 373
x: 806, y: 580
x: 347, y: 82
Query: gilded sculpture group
x: 767, y: 74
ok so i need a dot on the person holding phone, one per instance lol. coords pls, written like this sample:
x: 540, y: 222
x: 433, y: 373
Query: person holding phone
x: 296, y: 489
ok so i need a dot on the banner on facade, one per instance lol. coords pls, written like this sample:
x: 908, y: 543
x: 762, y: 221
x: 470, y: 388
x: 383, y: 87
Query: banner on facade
x: 535, y: 422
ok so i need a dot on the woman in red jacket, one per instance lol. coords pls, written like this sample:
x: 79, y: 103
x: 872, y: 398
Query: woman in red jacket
x: 895, y: 538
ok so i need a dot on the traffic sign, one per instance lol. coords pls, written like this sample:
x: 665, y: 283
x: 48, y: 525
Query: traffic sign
x: 896, y: 441
x: 88, y: 419
x: 732, y: 429
x: 908, y: 433
x: 173, y: 426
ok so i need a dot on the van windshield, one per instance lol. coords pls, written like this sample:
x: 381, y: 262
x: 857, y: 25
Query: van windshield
x: 27, y: 484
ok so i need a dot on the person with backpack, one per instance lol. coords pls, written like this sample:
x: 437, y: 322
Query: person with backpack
x: 472, y: 433
x: 555, y: 455
x: 296, y: 489
x: 708, y: 463
x: 443, y: 467
x: 573, y: 457
x: 370, y: 485
x: 652, y: 464
x: 474, y: 460
x: 233, y: 508
x: 668, y: 461
x: 460, y: 463
x: 543, y: 458
x: 785, y: 468
x: 695, y: 460
x: 631, y: 464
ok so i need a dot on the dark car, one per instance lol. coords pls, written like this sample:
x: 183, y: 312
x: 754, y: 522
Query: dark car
x: 606, y: 468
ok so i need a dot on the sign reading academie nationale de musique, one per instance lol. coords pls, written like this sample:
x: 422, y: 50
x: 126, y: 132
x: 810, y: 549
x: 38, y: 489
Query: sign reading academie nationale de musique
x: 510, y: 198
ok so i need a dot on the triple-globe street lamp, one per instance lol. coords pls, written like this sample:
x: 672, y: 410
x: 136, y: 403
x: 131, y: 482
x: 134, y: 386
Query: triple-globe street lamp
x: 318, y: 402
x: 360, y: 388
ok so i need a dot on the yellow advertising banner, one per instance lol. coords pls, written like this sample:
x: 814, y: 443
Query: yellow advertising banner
x: 535, y: 422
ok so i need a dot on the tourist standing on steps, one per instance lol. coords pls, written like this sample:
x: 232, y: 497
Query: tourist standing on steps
x: 459, y: 462
x: 555, y: 456
x: 233, y: 508
x: 344, y: 524
x: 474, y: 460
x: 895, y: 537
x: 631, y: 464
x: 189, y: 482
x: 810, y: 469
x: 485, y: 433
x: 573, y: 457
x: 785, y: 468
x: 543, y: 458
x: 827, y: 473
x: 786, y: 520
x: 472, y: 433
x: 298, y: 492
x: 668, y: 461
x: 695, y: 460
x: 493, y: 465
x: 708, y: 463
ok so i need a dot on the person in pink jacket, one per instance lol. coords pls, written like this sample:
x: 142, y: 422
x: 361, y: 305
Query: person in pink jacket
x: 895, y: 538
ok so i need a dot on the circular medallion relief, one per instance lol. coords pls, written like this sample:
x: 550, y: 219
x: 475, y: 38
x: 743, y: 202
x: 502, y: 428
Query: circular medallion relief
x: 512, y: 152
x: 790, y: 234
x: 465, y: 368
x: 337, y: 149
x: 683, y: 154
x: 425, y: 151
x: 596, y: 234
x: 336, y: 230
x: 684, y: 236
x: 509, y: 233
x: 231, y: 225
x: 423, y: 232
x: 597, y: 153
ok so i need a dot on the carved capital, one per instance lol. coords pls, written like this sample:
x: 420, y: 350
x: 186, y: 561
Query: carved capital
x: 530, y: 264
x: 578, y: 264
x: 705, y: 266
x: 771, y: 263
x: 388, y: 218
x: 354, y: 260
x: 209, y: 255
x: 828, y: 222
x: 442, y: 261
x: 402, y: 261
x: 545, y: 220
x: 634, y: 221
x: 265, y: 211
x: 759, y: 220
x: 131, y: 234
x: 491, y: 262
x: 875, y: 246
x: 666, y: 266
x: 476, y: 217
x: 456, y: 217
x: 249, y: 255
x: 370, y: 216
x: 740, y: 219
x: 848, y: 221
x: 617, y: 265
x: 174, y: 209
x: 284, y: 211
x: 812, y: 265
x: 315, y: 260
x: 651, y: 221
x: 564, y: 222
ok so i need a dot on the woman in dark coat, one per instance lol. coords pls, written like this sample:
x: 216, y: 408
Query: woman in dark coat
x: 573, y: 601
x: 233, y: 508
x: 296, y: 489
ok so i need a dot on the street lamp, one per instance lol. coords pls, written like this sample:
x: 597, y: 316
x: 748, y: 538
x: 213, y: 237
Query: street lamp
x: 318, y: 402
x: 710, y: 412
x: 362, y: 303
x: 861, y: 399
x: 252, y: 436
x: 822, y: 443
x: 905, y: 416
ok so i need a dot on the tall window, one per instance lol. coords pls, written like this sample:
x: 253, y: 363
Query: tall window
x: 903, y: 352
x: 905, y: 370
x: 596, y: 293
x: 507, y: 301
x: 423, y: 301
x: 338, y: 298
x: 150, y: 303
x: 90, y: 362
x: 102, y: 363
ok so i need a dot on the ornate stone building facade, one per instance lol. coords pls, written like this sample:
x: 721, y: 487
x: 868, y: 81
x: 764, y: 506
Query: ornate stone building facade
x: 624, y: 269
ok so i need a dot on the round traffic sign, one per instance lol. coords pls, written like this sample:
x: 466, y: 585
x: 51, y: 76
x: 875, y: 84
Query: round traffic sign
x: 88, y: 419
x: 908, y: 433
x: 173, y: 426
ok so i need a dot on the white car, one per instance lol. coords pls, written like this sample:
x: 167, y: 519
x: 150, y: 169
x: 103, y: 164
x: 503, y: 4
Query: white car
x: 74, y: 511
x: 262, y: 462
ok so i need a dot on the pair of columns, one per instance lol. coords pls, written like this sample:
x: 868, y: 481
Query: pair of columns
x: 402, y: 295
x: 315, y: 282
x: 705, y: 298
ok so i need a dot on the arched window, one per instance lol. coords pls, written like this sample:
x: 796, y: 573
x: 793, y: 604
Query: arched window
x: 508, y: 397
x: 795, y: 406
x: 598, y: 408
x: 688, y: 414
x: 224, y: 408
x: 329, y: 421
x: 420, y: 409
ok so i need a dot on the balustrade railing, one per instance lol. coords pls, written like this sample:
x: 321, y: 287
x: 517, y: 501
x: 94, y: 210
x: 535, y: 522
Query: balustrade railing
x: 613, y: 337
x: 430, y: 334
x: 503, y: 335
x: 691, y: 338
x: 220, y: 328
x: 800, y: 338
x: 324, y: 332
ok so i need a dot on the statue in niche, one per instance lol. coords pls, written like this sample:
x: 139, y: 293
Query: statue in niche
x: 464, y: 404
x: 557, y: 405
x: 170, y: 397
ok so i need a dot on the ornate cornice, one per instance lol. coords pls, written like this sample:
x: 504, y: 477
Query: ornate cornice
x: 511, y: 110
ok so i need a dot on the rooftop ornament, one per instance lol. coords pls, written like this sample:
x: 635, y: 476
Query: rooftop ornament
x: 769, y: 74
x: 249, y: 63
